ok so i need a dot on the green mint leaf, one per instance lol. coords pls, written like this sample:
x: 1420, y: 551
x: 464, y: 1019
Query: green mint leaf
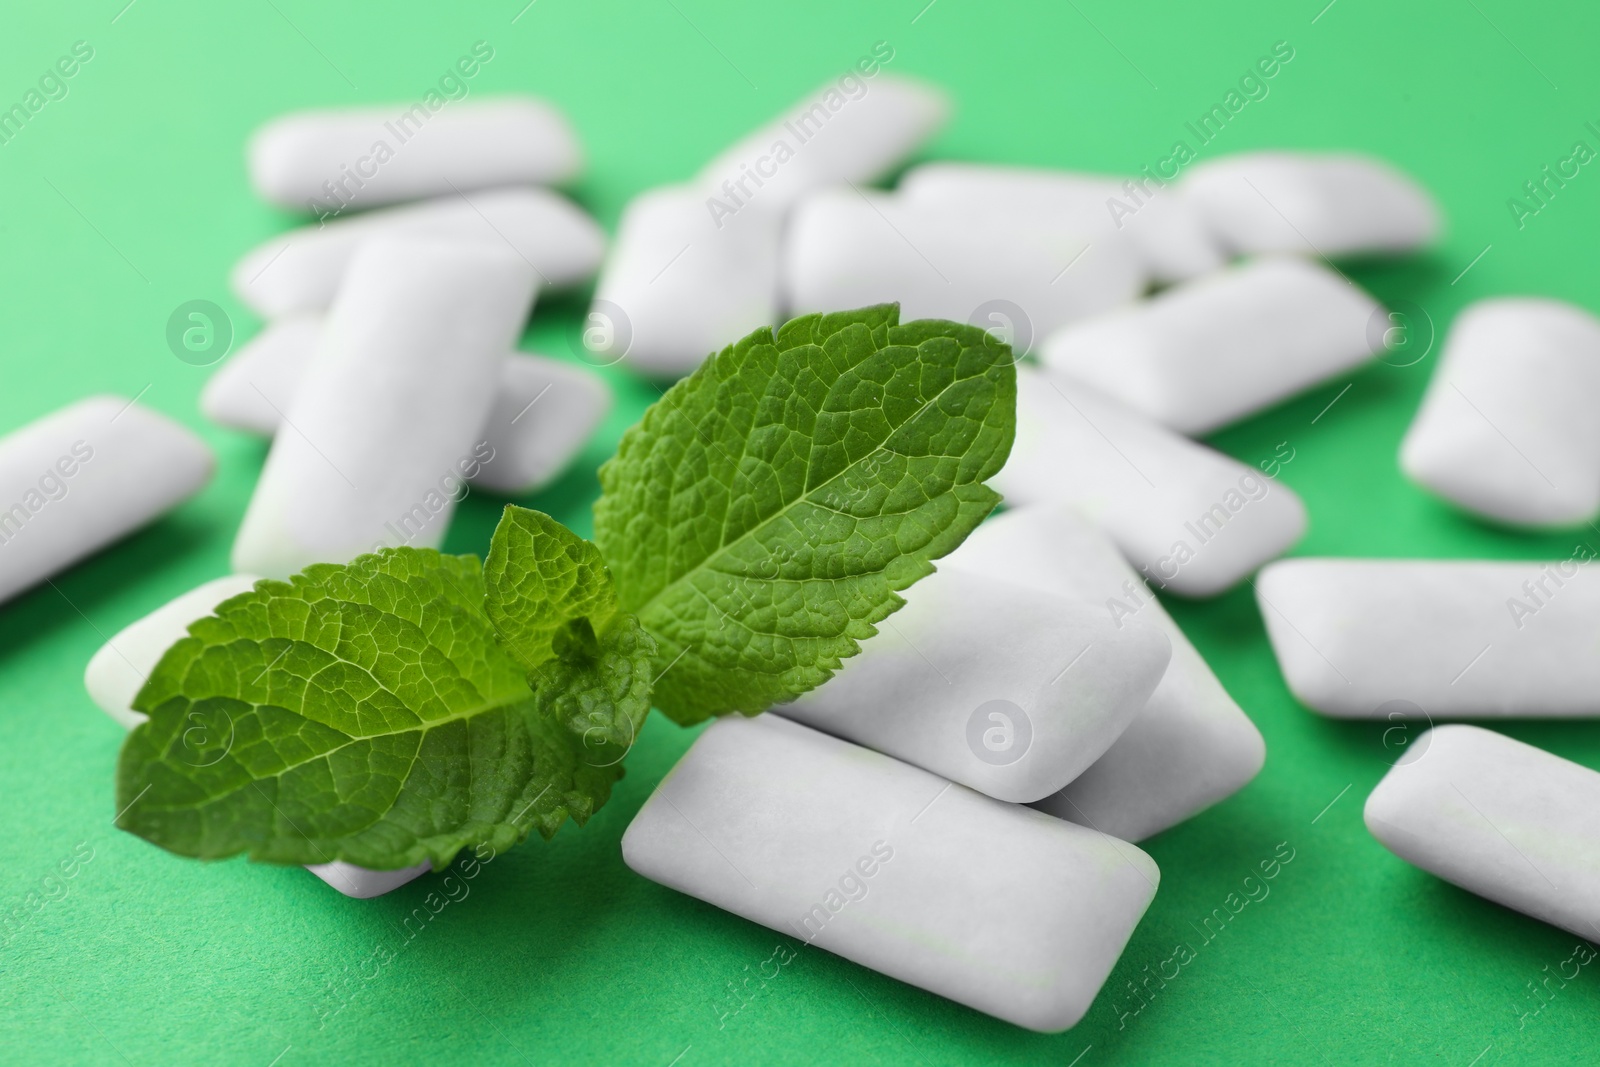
x: 763, y: 515
x: 554, y: 610
x: 361, y: 713
x: 539, y: 577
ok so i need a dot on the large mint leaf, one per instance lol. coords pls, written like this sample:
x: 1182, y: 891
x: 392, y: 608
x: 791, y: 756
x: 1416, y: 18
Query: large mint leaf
x: 360, y: 713
x: 554, y: 610
x: 763, y: 514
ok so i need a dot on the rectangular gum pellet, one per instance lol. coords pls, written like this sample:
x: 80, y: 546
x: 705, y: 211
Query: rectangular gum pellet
x: 995, y: 906
x: 1191, y: 520
x: 1410, y: 638
x: 1310, y: 203
x: 1019, y: 274
x: 1499, y: 818
x: 1507, y: 428
x: 1007, y: 689
x: 380, y: 421
x: 300, y: 271
x: 359, y: 883
x: 82, y: 477
x: 1167, y: 231
x: 333, y: 159
x: 1190, y: 746
x: 843, y: 132
x: 1218, y: 348
x: 682, y: 281
x: 544, y: 410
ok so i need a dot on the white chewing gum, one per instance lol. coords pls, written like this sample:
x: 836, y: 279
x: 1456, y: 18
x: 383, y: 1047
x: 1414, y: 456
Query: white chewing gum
x: 1507, y: 821
x: 360, y: 883
x: 1412, y: 638
x: 255, y: 386
x: 1191, y: 519
x: 1007, y: 689
x: 1214, y: 350
x: 892, y: 868
x: 545, y: 410
x: 1508, y: 426
x: 1165, y: 229
x: 301, y: 270
x: 681, y: 282
x: 1315, y: 204
x: 1191, y: 746
x: 82, y: 477
x: 336, y: 159
x: 843, y: 132
x: 382, y: 427
x: 1025, y: 275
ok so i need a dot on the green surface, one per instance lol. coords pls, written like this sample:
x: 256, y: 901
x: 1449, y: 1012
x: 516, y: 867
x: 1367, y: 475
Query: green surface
x: 128, y: 197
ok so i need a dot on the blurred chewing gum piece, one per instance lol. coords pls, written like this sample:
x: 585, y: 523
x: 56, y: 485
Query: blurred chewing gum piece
x: 302, y: 269
x: 74, y: 481
x: 854, y: 129
x: 1315, y: 204
x: 1166, y: 230
x: 1211, y: 351
x: 1508, y: 428
x: 329, y: 160
x: 1026, y: 273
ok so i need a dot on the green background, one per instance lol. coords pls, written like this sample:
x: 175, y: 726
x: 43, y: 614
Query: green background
x: 128, y: 198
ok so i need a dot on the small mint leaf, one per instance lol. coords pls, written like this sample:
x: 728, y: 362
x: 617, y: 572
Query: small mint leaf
x: 540, y: 576
x: 554, y: 609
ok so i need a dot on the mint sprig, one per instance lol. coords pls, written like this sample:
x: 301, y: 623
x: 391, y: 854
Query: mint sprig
x: 753, y: 529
